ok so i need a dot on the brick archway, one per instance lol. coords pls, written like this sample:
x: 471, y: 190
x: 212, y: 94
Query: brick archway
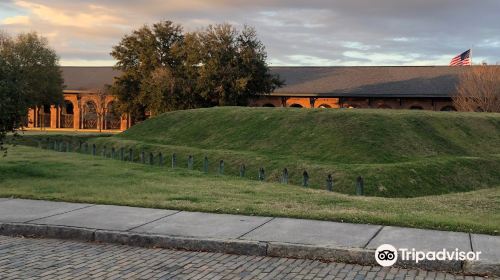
x: 448, y: 108
x: 89, y: 115
x: 384, y: 106
x: 67, y: 114
x: 351, y: 106
x: 112, y: 119
x: 416, y: 107
x: 43, y: 116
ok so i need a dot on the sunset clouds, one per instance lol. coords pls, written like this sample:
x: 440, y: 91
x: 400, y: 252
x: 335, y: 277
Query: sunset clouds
x: 323, y: 32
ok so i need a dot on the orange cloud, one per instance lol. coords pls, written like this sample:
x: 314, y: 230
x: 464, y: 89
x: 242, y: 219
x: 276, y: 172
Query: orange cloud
x: 17, y: 20
x: 94, y: 16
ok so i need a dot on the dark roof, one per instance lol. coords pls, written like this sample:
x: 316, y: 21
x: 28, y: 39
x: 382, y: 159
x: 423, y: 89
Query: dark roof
x: 382, y: 81
x: 88, y: 78
x: 370, y: 81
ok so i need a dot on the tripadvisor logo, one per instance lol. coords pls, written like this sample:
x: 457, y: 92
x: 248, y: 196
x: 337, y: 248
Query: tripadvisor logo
x: 387, y: 255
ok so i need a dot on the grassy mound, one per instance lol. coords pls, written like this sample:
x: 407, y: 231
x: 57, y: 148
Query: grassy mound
x: 399, y: 153
x: 330, y: 136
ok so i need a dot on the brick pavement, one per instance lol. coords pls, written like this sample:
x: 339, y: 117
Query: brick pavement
x: 24, y: 258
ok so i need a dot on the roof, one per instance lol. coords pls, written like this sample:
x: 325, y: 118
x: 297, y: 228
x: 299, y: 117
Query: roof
x: 342, y: 81
x: 369, y: 81
x: 88, y: 78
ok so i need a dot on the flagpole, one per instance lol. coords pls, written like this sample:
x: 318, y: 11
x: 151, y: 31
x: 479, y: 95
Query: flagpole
x: 471, y: 55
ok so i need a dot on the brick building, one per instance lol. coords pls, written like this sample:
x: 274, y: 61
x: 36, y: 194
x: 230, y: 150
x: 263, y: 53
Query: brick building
x: 384, y: 87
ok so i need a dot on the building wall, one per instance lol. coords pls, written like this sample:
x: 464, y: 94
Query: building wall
x: 433, y: 104
x: 81, y: 115
x: 304, y: 102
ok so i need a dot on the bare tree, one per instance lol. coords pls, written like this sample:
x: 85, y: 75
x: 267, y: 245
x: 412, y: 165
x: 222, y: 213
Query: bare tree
x: 479, y: 89
x: 101, y: 108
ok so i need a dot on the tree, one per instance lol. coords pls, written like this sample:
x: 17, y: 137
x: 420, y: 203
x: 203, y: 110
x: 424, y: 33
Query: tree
x: 479, y: 89
x: 100, y: 110
x: 29, y: 76
x: 138, y: 56
x: 233, y: 66
x: 165, y: 69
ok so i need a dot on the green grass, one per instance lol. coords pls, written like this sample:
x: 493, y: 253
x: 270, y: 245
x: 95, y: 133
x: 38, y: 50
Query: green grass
x: 34, y: 173
x: 340, y: 136
x: 399, y: 153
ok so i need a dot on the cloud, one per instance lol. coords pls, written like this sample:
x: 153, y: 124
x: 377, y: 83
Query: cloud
x: 92, y: 17
x: 359, y: 46
x: 315, y: 32
x: 16, y: 20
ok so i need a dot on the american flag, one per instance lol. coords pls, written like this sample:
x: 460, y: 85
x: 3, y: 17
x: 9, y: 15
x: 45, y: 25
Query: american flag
x: 462, y: 59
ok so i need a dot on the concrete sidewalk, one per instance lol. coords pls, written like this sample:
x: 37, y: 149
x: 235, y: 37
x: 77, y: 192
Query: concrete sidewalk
x: 247, y: 235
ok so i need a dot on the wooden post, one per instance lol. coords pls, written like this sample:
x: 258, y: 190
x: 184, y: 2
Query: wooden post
x: 174, y: 160
x: 284, y: 179
x: 305, y: 179
x: 205, y: 164
x: 242, y: 170
x: 143, y: 157
x: 113, y: 153
x: 160, y: 159
x: 94, y: 150
x: 190, y: 162
x: 360, y: 186
x: 104, y: 151
x: 262, y: 174
x: 221, y: 167
x: 329, y: 183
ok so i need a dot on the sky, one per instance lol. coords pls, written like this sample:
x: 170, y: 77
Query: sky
x: 314, y: 32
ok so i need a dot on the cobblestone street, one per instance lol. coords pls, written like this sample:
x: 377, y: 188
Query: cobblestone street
x: 24, y: 258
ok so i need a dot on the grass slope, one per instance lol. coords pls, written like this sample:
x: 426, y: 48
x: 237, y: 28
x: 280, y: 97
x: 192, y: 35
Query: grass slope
x: 399, y: 153
x: 29, y: 172
x: 339, y: 136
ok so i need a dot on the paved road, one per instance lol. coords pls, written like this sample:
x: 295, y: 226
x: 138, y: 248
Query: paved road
x: 24, y: 258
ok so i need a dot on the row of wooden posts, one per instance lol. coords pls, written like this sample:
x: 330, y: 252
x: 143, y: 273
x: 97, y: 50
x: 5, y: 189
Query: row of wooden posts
x: 64, y: 146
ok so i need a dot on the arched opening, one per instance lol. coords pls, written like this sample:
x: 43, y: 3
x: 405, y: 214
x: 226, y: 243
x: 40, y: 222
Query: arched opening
x: 324, y: 106
x: 43, y: 116
x: 89, y: 116
x: 448, y: 108
x: 112, y: 117
x: 416, y: 107
x: 296, y: 105
x: 268, y: 105
x: 67, y: 111
x: 384, y: 106
x: 351, y: 106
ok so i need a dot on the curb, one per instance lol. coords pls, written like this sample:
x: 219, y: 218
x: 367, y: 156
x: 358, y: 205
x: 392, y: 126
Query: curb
x: 238, y: 247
